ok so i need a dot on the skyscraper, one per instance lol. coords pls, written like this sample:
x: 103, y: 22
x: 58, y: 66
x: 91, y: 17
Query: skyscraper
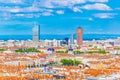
x: 71, y: 39
x: 79, y: 36
x: 36, y: 33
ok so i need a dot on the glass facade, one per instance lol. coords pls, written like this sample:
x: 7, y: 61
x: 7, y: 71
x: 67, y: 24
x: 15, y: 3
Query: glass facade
x: 36, y: 33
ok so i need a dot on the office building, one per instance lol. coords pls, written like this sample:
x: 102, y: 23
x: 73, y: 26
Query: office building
x: 36, y: 33
x: 71, y: 39
x: 79, y: 36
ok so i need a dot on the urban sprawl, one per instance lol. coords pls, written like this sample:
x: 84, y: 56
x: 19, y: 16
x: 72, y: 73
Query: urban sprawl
x: 66, y: 59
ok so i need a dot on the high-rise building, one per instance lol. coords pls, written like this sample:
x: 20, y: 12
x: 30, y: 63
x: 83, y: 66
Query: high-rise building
x: 79, y: 36
x: 71, y: 39
x: 36, y: 33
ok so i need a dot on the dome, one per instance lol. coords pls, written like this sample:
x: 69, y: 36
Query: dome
x: 70, y: 49
x: 50, y: 49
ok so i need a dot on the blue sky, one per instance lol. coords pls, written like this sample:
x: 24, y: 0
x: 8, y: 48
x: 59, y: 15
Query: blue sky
x: 60, y: 16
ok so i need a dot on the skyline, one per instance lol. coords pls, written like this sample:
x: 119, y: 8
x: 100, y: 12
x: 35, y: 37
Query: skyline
x: 54, y: 17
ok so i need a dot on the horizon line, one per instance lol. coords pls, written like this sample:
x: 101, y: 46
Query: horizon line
x: 68, y: 34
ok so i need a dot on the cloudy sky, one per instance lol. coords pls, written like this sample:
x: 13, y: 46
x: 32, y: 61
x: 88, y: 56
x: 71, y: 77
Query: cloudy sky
x: 60, y: 16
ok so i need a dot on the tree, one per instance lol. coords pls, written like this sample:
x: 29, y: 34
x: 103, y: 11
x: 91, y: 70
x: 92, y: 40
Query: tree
x: 66, y: 51
x: 99, y: 52
x: 27, y: 50
x: 62, y: 51
x: 2, y: 49
x: 78, y: 52
x: 70, y: 62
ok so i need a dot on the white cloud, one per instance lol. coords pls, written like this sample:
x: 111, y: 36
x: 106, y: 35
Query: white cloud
x: 96, y: 6
x: 47, y: 14
x: 72, y: 3
x: 77, y: 9
x: 27, y: 15
x: 60, y: 3
x: 5, y: 15
x: 19, y: 9
x: 25, y: 9
x: 48, y: 7
x: 60, y: 12
x: 48, y: 10
x: 12, y: 1
x: 20, y: 15
x: 90, y: 19
x: 15, y: 9
x: 28, y: 12
x: 98, y: 0
x: 105, y: 15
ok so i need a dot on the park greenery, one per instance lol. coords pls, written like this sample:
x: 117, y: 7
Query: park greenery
x: 78, y: 52
x: 91, y: 52
x: 23, y: 50
x: 70, y: 62
x: 2, y: 49
x: 99, y: 52
x: 62, y: 51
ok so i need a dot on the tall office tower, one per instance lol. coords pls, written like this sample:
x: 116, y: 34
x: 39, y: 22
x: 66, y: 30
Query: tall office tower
x: 36, y: 33
x: 71, y: 39
x: 79, y: 36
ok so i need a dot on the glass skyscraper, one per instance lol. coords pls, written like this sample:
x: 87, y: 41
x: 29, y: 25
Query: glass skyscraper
x: 36, y: 33
x: 71, y: 39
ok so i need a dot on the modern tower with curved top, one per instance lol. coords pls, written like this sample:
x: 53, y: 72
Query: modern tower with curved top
x: 79, y: 36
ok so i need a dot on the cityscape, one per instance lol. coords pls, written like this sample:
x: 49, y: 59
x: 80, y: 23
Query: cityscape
x: 67, y: 59
x: 59, y: 40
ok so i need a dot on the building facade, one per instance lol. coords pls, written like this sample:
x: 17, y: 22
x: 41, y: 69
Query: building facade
x: 71, y: 39
x: 36, y: 33
x: 79, y: 36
